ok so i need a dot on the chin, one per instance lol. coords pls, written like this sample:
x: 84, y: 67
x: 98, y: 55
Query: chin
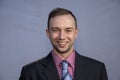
x: 63, y: 51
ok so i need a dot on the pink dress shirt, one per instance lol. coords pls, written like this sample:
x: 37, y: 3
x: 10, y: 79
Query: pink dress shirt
x: 70, y: 60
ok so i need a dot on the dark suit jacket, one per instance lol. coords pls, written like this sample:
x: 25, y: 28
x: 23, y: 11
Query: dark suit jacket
x: 45, y: 69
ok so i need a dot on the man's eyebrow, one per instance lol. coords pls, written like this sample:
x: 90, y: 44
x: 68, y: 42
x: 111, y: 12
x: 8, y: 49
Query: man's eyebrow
x: 54, y: 28
x: 69, y: 28
x: 59, y: 28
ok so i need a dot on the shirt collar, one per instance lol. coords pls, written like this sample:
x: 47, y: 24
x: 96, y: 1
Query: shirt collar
x: 70, y: 59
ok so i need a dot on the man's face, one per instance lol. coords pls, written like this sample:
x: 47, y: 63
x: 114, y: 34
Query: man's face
x: 62, y: 33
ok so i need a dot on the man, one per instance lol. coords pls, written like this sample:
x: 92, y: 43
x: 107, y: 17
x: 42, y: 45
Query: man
x: 63, y: 62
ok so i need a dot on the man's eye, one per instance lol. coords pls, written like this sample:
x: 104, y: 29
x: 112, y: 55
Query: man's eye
x: 55, y: 30
x: 68, y: 30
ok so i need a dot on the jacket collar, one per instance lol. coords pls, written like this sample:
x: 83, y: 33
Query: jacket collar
x: 50, y: 70
x: 80, y: 68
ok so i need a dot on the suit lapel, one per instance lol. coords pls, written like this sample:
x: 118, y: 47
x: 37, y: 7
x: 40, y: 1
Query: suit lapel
x: 51, y: 70
x: 79, y: 68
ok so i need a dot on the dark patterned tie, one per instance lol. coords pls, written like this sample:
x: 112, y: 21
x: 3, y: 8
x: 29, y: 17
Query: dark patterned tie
x: 65, y: 73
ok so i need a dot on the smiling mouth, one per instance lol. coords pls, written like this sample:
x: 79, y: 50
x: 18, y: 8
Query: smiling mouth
x: 62, y: 44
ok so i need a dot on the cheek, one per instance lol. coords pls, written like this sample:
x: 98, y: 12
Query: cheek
x: 54, y: 36
x: 72, y: 35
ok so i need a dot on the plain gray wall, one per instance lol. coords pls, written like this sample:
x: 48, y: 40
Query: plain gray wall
x: 23, y: 38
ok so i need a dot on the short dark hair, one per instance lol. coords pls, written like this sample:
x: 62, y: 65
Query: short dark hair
x: 60, y: 11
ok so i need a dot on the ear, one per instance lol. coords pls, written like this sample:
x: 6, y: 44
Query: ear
x: 76, y: 33
x: 47, y: 33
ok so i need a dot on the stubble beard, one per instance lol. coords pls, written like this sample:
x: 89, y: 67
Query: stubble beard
x: 63, y: 51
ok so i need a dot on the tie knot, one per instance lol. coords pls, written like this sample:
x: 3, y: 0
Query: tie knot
x: 64, y: 65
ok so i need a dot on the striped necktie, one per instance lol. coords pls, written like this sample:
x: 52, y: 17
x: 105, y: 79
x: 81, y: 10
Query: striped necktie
x: 65, y: 73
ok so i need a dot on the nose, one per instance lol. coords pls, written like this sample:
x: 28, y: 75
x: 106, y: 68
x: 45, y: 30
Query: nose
x: 62, y: 35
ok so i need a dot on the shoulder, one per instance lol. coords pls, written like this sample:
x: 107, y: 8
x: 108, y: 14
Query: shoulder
x: 35, y: 69
x: 38, y: 64
x: 90, y: 65
x: 89, y: 61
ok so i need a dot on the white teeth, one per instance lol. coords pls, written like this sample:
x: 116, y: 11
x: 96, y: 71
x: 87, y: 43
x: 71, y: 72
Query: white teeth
x: 61, y: 43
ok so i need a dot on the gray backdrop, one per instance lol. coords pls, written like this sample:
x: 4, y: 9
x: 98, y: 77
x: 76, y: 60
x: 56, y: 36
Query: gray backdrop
x: 23, y: 38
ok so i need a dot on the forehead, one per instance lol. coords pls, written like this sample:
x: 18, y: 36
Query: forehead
x: 62, y: 21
